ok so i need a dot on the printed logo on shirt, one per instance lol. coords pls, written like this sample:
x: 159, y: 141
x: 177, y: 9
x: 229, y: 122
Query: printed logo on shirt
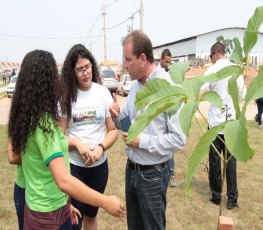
x: 87, y: 116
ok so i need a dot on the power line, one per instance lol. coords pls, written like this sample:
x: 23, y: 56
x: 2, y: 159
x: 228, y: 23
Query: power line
x: 122, y: 22
x: 98, y: 37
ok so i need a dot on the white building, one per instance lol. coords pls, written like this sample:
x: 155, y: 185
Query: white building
x: 199, y: 46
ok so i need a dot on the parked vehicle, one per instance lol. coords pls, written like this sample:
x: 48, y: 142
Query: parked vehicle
x: 10, y: 89
x: 109, y: 79
x: 124, y: 85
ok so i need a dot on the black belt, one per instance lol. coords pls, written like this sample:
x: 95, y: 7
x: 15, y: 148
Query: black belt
x: 136, y: 166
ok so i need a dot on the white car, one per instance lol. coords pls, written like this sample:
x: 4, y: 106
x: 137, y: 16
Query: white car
x: 124, y: 85
x: 10, y: 89
x: 109, y: 79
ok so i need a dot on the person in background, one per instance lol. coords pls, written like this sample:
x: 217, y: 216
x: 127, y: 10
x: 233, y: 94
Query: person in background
x: 87, y: 118
x: 216, y: 117
x: 9, y: 76
x: 147, y: 175
x: 4, y: 77
x: 165, y: 62
x: 39, y: 144
x: 166, y: 59
x: 258, y: 116
x: 13, y: 72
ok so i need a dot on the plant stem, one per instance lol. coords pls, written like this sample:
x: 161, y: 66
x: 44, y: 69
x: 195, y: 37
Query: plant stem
x: 225, y: 161
x: 220, y: 155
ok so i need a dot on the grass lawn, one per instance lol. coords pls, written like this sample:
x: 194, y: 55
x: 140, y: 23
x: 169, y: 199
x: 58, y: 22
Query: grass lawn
x: 194, y: 212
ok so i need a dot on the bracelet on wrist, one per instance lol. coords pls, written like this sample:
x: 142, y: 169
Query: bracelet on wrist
x: 102, y: 146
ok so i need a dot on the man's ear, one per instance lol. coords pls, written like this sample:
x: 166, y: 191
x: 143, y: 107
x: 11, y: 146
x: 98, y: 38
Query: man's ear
x: 143, y: 58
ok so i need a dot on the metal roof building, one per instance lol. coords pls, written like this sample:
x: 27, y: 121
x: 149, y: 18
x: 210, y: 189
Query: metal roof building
x: 199, y: 46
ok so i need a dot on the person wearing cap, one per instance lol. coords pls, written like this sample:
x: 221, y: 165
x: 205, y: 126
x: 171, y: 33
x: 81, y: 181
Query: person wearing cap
x: 147, y: 174
x: 217, y: 116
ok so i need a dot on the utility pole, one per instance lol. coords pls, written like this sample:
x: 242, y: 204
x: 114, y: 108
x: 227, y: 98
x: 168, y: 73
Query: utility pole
x: 141, y: 16
x: 104, y: 28
x: 130, y: 27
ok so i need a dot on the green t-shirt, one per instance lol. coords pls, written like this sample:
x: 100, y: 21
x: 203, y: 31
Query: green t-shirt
x: 42, y: 193
x: 20, y: 178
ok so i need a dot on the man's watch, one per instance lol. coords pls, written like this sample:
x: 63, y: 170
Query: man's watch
x: 102, y: 146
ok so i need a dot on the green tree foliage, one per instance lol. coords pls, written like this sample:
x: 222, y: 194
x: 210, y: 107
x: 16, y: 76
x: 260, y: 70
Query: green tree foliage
x: 227, y: 42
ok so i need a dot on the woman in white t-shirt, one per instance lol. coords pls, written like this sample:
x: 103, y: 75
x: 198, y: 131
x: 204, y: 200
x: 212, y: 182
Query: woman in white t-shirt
x: 86, y: 107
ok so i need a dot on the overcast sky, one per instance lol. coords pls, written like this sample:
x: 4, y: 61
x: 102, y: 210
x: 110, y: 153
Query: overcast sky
x: 56, y: 25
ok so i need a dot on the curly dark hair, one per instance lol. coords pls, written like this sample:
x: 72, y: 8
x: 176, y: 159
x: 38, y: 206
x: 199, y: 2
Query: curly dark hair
x: 69, y: 77
x: 35, y: 99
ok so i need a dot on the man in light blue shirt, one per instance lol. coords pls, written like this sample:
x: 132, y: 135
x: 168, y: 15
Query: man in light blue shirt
x: 147, y: 174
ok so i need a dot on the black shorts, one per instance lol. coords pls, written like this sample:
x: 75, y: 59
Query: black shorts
x: 94, y: 177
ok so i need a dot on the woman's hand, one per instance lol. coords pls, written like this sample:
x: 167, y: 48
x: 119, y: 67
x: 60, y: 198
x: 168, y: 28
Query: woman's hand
x: 74, y: 214
x: 94, y: 155
x: 114, y: 206
x: 83, y: 149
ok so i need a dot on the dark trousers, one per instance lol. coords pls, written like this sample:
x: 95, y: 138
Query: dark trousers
x: 215, y: 177
x: 259, y: 102
x: 19, y: 199
x: 145, y: 192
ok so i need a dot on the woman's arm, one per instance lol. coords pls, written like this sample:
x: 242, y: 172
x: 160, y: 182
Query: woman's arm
x: 76, y: 189
x: 12, y: 157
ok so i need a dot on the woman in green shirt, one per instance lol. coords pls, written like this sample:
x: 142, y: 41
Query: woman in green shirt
x: 38, y: 142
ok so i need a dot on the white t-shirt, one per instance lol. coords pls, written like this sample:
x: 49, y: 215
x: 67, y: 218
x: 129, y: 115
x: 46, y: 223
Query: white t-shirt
x: 215, y: 115
x: 88, y: 120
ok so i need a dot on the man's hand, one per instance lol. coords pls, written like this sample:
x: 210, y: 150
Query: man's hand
x: 135, y: 143
x: 114, y: 107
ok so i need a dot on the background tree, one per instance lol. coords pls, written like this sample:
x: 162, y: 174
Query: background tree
x: 228, y: 43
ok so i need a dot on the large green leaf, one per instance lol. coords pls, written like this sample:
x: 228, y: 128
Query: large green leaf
x: 189, y: 91
x: 213, y: 98
x: 227, y: 71
x: 256, y: 20
x: 236, y: 138
x: 236, y: 55
x: 250, y: 39
x: 186, y: 115
x: 173, y: 109
x: 146, y: 117
x: 200, y: 152
x: 196, y: 84
x: 148, y: 91
x: 233, y: 92
x: 251, y: 33
x: 255, y: 89
x: 177, y: 71
x: 155, y: 90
